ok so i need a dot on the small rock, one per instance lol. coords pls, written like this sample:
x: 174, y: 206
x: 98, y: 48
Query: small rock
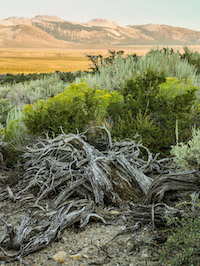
x: 60, y: 256
x: 119, y: 242
x: 128, y: 239
x: 77, y: 256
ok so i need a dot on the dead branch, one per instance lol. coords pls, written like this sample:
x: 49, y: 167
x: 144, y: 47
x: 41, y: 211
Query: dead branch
x: 67, y: 180
x: 68, y: 164
x: 157, y: 214
x: 174, y: 182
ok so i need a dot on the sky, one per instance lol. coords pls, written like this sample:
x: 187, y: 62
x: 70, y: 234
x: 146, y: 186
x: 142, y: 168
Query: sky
x: 179, y: 13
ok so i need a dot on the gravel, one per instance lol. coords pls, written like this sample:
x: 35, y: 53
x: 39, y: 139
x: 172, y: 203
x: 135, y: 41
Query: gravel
x: 96, y: 246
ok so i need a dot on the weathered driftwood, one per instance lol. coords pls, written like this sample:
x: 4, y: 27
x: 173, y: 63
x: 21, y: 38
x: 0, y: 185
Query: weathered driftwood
x: 37, y: 230
x: 66, y: 179
x: 68, y: 164
x: 174, y: 182
x: 156, y: 214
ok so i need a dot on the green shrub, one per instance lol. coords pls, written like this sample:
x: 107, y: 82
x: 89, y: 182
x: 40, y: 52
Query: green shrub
x: 29, y: 92
x: 2, y: 144
x: 66, y: 77
x: 176, y: 101
x: 127, y: 125
x: 113, y: 76
x: 5, y: 107
x: 192, y: 57
x: 173, y: 63
x: 153, y: 108
x: 183, y: 242
x: 15, y: 131
x: 14, y: 136
x: 188, y: 155
x: 98, y: 61
x: 73, y: 109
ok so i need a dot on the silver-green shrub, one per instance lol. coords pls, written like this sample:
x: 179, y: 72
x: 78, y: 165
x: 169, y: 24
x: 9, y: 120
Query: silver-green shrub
x: 30, y: 92
x: 2, y: 144
x: 113, y: 77
x: 188, y: 155
x: 171, y: 64
x: 15, y: 133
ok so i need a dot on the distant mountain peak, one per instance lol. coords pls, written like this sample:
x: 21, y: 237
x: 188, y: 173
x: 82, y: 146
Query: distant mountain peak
x: 52, y: 31
x: 103, y: 23
x: 47, y: 17
x: 16, y: 21
x: 151, y: 27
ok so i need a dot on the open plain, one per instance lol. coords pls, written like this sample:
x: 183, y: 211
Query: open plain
x: 21, y: 60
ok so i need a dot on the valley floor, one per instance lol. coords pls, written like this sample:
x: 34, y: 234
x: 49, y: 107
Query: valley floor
x: 14, y: 61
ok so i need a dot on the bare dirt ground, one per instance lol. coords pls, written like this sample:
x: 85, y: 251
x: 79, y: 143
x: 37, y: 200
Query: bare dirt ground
x: 96, y: 244
x: 125, y: 228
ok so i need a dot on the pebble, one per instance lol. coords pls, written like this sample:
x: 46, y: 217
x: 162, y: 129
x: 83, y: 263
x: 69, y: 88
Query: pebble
x: 77, y: 256
x: 60, y: 256
x: 81, y: 250
x: 119, y: 242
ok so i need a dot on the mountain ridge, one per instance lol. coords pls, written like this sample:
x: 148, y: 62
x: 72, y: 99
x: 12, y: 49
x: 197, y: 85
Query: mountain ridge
x: 52, y: 31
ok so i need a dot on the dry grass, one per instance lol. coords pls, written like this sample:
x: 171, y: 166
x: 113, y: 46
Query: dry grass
x: 49, y: 64
x: 44, y: 61
x: 30, y: 61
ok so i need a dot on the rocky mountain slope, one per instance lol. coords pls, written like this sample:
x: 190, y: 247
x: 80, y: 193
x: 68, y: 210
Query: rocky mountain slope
x: 52, y: 31
x: 22, y: 32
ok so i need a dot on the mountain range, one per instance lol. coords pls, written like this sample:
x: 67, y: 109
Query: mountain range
x: 48, y: 31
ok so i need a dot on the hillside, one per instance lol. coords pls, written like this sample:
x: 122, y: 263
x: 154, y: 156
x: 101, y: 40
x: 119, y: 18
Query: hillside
x: 103, y: 23
x: 12, y: 21
x: 51, y: 31
x: 51, y: 18
x: 27, y: 36
x: 164, y: 34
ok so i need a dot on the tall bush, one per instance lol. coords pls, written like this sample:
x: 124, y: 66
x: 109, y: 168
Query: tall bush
x: 29, y: 92
x: 154, y: 107
x: 187, y: 154
x: 73, y: 109
x: 14, y: 135
x: 113, y: 76
x: 5, y: 107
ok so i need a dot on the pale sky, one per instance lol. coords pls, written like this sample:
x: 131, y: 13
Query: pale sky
x: 180, y: 13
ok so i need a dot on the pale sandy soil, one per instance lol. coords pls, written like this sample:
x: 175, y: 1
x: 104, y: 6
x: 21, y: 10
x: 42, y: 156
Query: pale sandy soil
x: 98, y: 243
x: 95, y: 243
